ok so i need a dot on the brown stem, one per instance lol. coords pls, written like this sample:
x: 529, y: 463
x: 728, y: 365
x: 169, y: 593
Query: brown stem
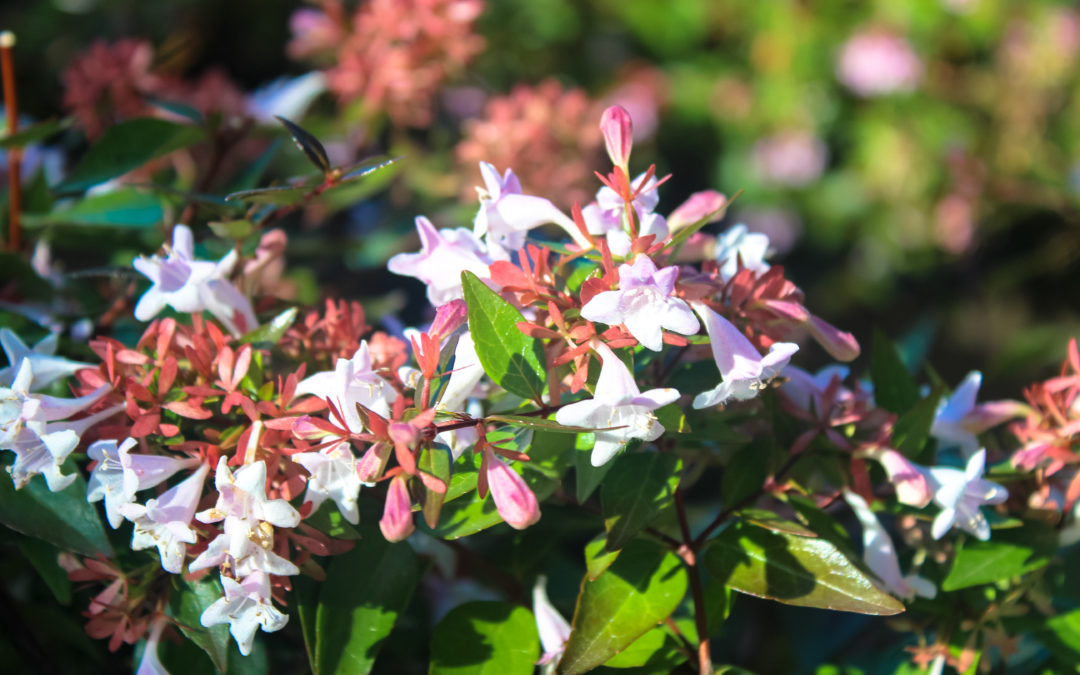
x: 688, y: 552
x: 14, y: 154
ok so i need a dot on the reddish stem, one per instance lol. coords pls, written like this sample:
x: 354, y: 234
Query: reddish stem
x: 688, y: 551
x: 14, y: 155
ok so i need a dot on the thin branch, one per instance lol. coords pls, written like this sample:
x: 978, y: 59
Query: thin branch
x: 14, y: 153
x: 688, y: 551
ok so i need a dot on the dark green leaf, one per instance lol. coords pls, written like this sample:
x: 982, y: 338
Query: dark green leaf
x: 191, y: 113
x: 894, y: 387
x: 673, y: 419
x: 127, y: 146
x: 1009, y: 554
x: 368, y: 167
x: 635, y: 491
x: 598, y: 557
x: 232, y: 229
x: 43, y: 556
x: 311, y: 147
x: 586, y: 476
x: 273, y: 331
x: 744, y: 475
x: 62, y: 518
x: 771, y: 521
x: 187, y: 607
x: 794, y: 570
x: 33, y: 134
x: 364, y: 592
x: 511, y: 358
x: 640, y: 589
x: 282, y: 195
x: 912, y: 428
x: 1061, y: 634
x: 485, y: 638
x: 126, y: 207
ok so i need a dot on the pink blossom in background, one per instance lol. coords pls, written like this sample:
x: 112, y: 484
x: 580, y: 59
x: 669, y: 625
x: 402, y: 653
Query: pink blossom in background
x: 793, y: 158
x: 547, y: 133
x: 108, y: 83
x: 877, y: 62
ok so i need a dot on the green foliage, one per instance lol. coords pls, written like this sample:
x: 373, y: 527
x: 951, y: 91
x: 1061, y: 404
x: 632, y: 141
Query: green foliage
x: 188, y: 605
x: 130, y: 208
x: 1010, y: 553
x: 485, y: 638
x: 894, y: 387
x: 636, y: 489
x: 63, y: 518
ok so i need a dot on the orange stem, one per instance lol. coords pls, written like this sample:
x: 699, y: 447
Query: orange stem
x: 14, y: 155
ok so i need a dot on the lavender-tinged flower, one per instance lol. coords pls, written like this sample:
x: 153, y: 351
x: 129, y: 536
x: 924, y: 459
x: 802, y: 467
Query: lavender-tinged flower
x: 189, y: 285
x: 880, y: 555
x: 443, y: 256
x: 960, y: 494
x: 506, y: 215
x: 247, y: 605
x: 165, y: 522
x: 352, y: 381
x: 737, y: 244
x: 644, y: 304
x: 806, y: 390
x: 150, y: 664
x: 913, y: 483
x: 553, y: 628
x: 119, y: 474
x: 618, y: 410
x: 606, y: 216
x: 959, y: 419
x: 514, y: 501
x: 618, y: 131
x: 333, y: 476
x: 744, y: 370
x: 47, y: 367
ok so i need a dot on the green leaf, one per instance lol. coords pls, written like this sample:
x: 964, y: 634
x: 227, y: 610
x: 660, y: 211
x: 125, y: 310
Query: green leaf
x: 635, y: 491
x: 463, y: 517
x: 435, y: 461
x: 1061, y: 634
x: 771, y: 521
x: 536, y: 423
x: 485, y: 638
x: 33, y: 134
x: 329, y: 521
x: 640, y: 650
x: 126, y: 208
x: 127, y: 146
x: 912, y: 428
x: 364, y: 592
x: 368, y: 167
x: 43, y: 556
x: 187, y: 607
x: 177, y: 108
x: 512, y: 359
x: 586, y: 476
x: 272, y: 332
x: 62, y: 518
x: 1009, y: 554
x: 598, y: 557
x: 280, y: 195
x: 744, y: 475
x: 894, y: 387
x: 308, y: 144
x: 794, y: 570
x: 642, y: 588
x: 232, y: 229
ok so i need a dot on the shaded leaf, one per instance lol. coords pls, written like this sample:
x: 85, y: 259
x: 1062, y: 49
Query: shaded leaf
x: 126, y: 208
x: 912, y: 428
x: 311, y: 147
x: 33, y: 134
x: 771, y: 521
x: 187, y: 607
x: 598, y: 557
x: 794, y: 570
x: 282, y: 195
x: 586, y: 476
x: 485, y: 638
x: 463, y: 517
x: 273, y: 331
x: 435, y: 461
x: 63, y: 518
x: 511, y: 358
x: 1010, y: 553
x: 232, y: 229
x: 253, y: 172
x: 894, y: 387
x: 1061, y: 634
x: 43, y: 556
x: 635, y: 491
x: 127, y: 146
x: 641, y: 588
x: 744, y: 475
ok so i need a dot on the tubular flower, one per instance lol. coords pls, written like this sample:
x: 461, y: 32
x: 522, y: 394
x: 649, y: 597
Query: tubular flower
x: 119, y: 474
x: 246, y: 606
x: 165, y: 522
x: 443, y: 256
x: 47, y: 367
x: 960, y: 494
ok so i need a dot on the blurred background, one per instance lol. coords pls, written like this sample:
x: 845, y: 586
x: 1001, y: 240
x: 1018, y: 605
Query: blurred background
x: 916, y: 164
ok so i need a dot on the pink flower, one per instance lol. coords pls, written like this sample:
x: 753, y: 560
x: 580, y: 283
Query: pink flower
x: 912, y: 482
x: 165, y: 522
x: 443, y: 256
x: 514, y: 500
x: 119, y: 474
x: 396, y: 523
x: 878, y: 62
x: 793, y: 158
x: 618, y: 131
x: 705, y: 204
x: 553, y: 628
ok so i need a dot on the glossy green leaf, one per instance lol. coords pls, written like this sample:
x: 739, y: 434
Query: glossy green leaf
x: 485, y: 638
x: 598, y: 557
x: 127, y: 146
x: 62, y: 518
x: 1008, y: 554
x: 280, y: 195
x: 744, y: 475
x: 640, y: 650
x: 640, y: 589
x: 1061, y: 634
x: 771, y: 521
x: 308, y: 144
x: 586, y: 476
x: 635, y: 491
x: 33, y: 134
x: 364, y: 592
x: 367, y: 167
x: 794, y: 570
x: 912, y: 428
x: 511, y: 358
x: 44, y: 557
x: 187, y: 607
x: 436, y: 462
x: 894, y: 387
x: 273, y: 331
x: 463, y: 517
x: 124, y: 208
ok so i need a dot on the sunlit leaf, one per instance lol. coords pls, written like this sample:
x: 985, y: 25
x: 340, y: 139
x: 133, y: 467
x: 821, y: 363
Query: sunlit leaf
x: 485, y: 638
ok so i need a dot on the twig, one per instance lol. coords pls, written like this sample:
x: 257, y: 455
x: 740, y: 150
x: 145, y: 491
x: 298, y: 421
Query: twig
x: 14, y: 154
x: 688, y: 552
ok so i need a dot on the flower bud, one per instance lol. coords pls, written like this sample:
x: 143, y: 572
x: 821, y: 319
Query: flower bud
x: 705, y: 204
x: 397, y: 520
x: 404, y: 433
x: 514, y: 500
x: 448, y: 318
x: 840, y: 345
x: 912, y: 486
x: 371, y: 465
x: 618, y: 135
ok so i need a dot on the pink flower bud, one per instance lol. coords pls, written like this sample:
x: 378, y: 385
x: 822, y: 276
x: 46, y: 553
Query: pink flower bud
x: 397, y: 520
x: 514, y: 500
x: 448, y: 318
x: 371, y: 465
x: 705, y: 204
x: 404, y: 433
x: 840, y: 345
x: 908, y: 478
x: 618, y: 135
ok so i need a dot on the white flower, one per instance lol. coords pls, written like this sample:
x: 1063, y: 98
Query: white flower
x: 47, y: 367
x: 352, y: 381
x: 333, y: 475
x: 287, y: 97
x: 189, y: 285
x: 743, y: 369
x: 806, y: 389
x: 607, y: 215
x: 460, y: 388
x: 617, y: 402
x: 443, y: 256
x: 165, y: 522
x: 737, y: 244
x: 880, y: 555
x: 960, y: 494
x: 149, y: 664
x: 246, y: 606
x: 553, y: 628
x: 644, y: 304
x: 119, y: 474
